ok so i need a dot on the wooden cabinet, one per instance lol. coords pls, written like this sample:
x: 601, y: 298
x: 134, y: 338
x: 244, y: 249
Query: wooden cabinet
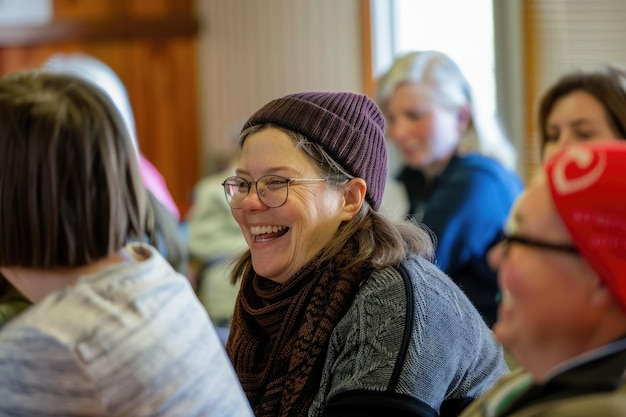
x: 151, y: 45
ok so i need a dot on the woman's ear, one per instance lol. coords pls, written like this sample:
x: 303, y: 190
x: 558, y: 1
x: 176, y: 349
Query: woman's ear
x: 354, y: 194
x: 464, y: 116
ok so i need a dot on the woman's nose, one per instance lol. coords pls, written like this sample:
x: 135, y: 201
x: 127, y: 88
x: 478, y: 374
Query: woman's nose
x: 397, y: 131
x: 252, y: 200
x: 565, y: 139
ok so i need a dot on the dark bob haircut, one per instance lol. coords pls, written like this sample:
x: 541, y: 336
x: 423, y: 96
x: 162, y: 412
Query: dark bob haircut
x: 70, y: 188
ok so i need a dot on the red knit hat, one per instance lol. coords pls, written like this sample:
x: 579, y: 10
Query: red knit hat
x: 588, y: 186
x: 349, y: 126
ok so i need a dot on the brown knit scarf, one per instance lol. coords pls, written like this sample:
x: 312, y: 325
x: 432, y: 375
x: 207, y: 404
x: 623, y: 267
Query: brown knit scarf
x: 280, y: 333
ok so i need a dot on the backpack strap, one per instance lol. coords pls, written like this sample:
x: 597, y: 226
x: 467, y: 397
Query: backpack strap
x: 409, y: 323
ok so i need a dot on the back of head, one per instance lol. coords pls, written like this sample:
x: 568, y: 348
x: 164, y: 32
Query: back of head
x: 70, y: 187
x: 450, y: 89
x: 99, y: 74
x: 161, y: 225
x: 607, y: 84
x: 588, y: 188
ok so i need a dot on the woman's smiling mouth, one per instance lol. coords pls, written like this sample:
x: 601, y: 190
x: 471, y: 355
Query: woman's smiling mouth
x: 265, y: 233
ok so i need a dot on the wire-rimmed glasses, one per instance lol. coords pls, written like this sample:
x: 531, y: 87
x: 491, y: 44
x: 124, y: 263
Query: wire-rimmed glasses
x: 272, y: 190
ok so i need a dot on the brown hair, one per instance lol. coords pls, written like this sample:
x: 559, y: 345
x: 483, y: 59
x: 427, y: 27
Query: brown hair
x: 70, y: 188
x: 381, y: 242
x: 607, y: 84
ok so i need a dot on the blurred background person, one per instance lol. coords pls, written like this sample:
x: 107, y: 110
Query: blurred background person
x: 583, y: 106
x: 114, y: 330
x: 458, y: 169
x: 215, y: 240
x: 562, y: 270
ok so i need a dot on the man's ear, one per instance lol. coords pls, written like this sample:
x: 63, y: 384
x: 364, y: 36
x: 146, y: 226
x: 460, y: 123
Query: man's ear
x: 601, y: 296
x: 354, y: 194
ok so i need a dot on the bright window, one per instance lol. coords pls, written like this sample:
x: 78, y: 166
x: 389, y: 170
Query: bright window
x: 462, y: 29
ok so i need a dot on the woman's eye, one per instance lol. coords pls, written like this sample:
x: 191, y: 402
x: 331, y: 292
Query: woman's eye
x: 584, y: 135
x: 276, y: 182
x: 552, y: 136
x: 415, y: 115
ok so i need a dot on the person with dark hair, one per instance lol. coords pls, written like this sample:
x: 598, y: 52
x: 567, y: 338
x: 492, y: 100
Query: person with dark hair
x: 162, y: 228
x: 562, y: 270
x: 340, y: 312
x: 114, y: 330
x: 459, y: 168
x: 583, y: 106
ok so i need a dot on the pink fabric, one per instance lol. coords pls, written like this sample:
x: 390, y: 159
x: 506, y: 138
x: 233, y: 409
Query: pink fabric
x: 588, y: 186
x: 155, y: 183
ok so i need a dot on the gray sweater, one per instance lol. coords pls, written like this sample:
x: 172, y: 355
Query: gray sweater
x: 376, y: 367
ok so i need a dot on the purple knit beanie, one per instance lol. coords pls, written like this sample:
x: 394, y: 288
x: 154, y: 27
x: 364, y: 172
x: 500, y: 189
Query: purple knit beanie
x: 349, y: 126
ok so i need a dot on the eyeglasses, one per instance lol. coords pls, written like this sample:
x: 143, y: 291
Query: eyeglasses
x: 271, y: 189
x: 507, y: 239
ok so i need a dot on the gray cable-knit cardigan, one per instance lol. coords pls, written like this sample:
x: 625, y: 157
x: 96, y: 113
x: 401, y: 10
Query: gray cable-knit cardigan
x: 411, y: 344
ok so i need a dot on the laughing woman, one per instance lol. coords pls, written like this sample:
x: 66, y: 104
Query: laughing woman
x: 340, y: 311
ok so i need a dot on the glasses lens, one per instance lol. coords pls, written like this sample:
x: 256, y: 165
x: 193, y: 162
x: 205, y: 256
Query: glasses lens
x: 272, y: 190
x: 236, y: 189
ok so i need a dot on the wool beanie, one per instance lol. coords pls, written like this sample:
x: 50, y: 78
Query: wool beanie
x: 588, y: 187
x: 349, y: 126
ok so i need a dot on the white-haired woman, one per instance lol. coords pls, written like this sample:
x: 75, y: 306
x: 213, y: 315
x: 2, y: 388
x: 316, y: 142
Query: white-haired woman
x: 458, y: 166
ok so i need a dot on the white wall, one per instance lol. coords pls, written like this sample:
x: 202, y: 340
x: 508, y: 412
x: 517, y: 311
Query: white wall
x: 252, y: 51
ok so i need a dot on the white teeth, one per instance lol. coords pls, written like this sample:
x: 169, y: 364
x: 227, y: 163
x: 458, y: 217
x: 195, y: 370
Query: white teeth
x: 261, y: 230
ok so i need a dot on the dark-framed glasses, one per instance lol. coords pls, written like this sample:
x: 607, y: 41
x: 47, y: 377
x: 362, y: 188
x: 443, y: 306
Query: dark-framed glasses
x: 272, y: 190
x: 508, y: 239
